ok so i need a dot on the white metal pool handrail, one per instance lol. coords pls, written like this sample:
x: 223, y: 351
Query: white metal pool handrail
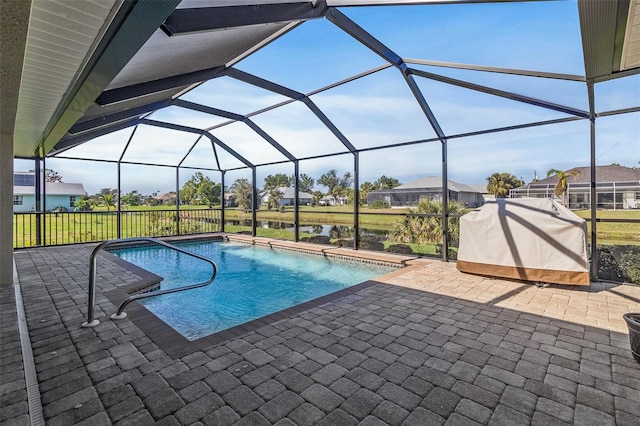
x: 91, y: 321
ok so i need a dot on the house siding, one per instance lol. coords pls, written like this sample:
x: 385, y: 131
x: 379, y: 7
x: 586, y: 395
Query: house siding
x: 51, y: 202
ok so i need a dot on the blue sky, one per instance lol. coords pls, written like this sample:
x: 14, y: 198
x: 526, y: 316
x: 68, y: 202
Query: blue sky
x: 379, y: 109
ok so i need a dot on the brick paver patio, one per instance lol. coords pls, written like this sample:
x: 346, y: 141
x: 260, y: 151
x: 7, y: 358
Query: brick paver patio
x: 426, y: 345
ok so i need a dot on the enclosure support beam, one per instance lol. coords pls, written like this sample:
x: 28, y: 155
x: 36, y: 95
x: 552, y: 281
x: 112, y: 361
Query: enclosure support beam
x: 222, y: 172
x: 110, y: 119
x: 296, y: 202
x: 119, y: 204
x: 126, y: 93
x: 498, y: 70
x: 177, y: 200
x: 239, y: 118
x: 215, y: 154
x: 270, y: 140
x: 417, y: 93
x: 38, y: 194
x: 356, y: 200
x: 501, y: 93
x: 124, y: 151
x: 593, y: 195
x: 329, y: 124
x: 291, y: 94
x: 445, y: 203
x: 199, y: 132
x: 69, y: 143
x: 254, y: 201
x: 263, y: 84
x: 44, y: 206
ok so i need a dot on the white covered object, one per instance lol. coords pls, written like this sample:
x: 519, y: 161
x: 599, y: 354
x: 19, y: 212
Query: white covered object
x: 535, y: 239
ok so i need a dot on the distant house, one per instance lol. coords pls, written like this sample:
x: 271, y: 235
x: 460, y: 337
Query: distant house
x: 618, y: 187
x: 288, y: 197
x: 429, y: 188
x: 57, y: 194
x: 166, y: 198
x: 328, y: 200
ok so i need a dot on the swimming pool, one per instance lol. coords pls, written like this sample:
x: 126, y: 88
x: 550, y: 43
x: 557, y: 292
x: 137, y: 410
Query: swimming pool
x: 252, y: 282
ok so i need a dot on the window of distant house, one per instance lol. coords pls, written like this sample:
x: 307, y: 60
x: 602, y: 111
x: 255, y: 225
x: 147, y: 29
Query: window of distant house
x: 637, y: 195
x: 17, y: 200
x: 72, y: 201
x: 24, y: 180
x: 580, y: 198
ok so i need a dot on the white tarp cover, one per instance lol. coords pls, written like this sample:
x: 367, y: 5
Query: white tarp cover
x: 534, y: 239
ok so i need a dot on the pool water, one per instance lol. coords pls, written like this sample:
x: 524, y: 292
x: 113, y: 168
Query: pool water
x: 252, y: 282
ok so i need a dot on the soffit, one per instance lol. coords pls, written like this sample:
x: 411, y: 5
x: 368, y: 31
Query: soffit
x: 610, y: 31
x: 631, y: 48
x: 61, y: 36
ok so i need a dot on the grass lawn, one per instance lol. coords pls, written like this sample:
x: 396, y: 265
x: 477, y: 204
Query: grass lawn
x: 333, y: 214
x: 614, y: 233
x: 100, y: 225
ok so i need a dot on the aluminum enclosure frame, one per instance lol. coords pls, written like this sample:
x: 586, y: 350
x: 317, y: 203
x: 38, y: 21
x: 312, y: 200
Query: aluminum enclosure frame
x: 88, y: 130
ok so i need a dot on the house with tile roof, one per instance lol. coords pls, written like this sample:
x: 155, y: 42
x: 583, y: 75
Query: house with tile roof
x: 618, y: 187
x: 428, y: 188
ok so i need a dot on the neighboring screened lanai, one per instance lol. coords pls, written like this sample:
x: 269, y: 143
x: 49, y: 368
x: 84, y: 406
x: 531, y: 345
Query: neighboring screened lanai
x: 212, y: 86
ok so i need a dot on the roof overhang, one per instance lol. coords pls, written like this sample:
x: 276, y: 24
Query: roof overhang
x: 610, y: 38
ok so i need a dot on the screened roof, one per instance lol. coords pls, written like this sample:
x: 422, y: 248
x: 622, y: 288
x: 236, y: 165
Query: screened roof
x: 173, y: 71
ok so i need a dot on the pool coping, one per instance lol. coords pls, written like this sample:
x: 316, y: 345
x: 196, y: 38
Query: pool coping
x: 149, y: 281
x: 177, y: 346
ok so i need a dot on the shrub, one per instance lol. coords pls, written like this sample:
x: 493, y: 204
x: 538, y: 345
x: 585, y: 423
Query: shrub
x: 400, y: 249
x: 379, y: 204
x: 620, y: 263
x: 319, y: 239
x: 371, y: 243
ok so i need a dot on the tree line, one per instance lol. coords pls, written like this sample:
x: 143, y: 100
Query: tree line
x: 339, y: 188
x: 201, y: 190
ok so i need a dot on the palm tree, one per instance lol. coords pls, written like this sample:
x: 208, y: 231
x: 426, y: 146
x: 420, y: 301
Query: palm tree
x: 561, y: 186
x: 365, y: 189
x: 428, y: 230
x: 108, y: 200
x: 499, y: 184
x: 84, y: 204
